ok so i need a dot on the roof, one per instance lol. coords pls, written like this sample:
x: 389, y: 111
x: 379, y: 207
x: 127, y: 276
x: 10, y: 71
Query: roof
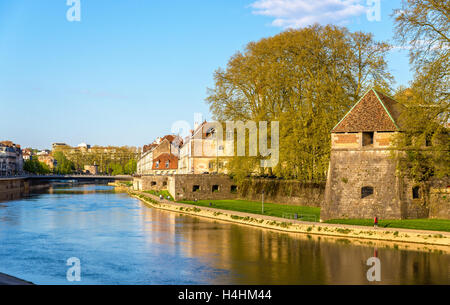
x: 375, y: 111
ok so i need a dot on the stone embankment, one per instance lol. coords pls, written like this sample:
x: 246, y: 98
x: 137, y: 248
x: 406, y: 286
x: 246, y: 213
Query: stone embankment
x: 439, y: 240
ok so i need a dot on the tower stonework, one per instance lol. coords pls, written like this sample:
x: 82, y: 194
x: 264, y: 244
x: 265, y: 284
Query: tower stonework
x: 362, y: 181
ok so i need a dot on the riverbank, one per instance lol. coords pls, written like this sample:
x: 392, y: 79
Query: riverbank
x: 10, y: 280
x: 430, y: 238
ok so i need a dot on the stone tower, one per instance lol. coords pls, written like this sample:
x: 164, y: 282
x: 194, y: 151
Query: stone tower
x: 362, y: 181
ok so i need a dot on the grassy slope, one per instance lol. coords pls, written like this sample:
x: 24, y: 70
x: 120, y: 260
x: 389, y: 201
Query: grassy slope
x: 254, y: 207
x: 418, y: 224
x: 157, y: 193
x: 278, y: 210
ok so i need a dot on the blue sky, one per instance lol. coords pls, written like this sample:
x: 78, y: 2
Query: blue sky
x: 130, y: 68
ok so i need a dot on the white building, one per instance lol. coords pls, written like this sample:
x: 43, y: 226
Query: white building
x: 11, y: 160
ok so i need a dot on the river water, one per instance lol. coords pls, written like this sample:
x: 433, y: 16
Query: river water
x: 119, y: 240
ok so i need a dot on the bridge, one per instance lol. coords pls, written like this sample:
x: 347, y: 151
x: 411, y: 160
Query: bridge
x: 103, y: 178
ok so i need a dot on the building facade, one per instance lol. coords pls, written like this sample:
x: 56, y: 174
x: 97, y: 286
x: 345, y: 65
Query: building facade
x: 11, y: 159
x: 160, y: 157
x: 203, y: 152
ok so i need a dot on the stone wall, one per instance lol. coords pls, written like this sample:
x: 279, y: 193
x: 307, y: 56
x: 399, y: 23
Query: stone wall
x: 217, y: 187
x: 202, y: 187
x: 148, y: 183
x: 284, y: 192
x: 439, y: 206
x: 352, y: 170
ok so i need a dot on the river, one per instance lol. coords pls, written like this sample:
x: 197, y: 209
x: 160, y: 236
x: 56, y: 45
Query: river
x: 119, y: 240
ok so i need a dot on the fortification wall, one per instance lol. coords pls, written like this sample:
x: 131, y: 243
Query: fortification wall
x: 349, y: 172
x: 284, y: 191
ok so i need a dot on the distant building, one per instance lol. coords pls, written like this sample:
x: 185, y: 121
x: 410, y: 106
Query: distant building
x: 84, y: 146
x: 11, y: 160
x: 202, y: 152
x: 27, y: 154
x: 59, y: 146
x: 91, y: 169
x: 160, y: 157
x: 45, y: 156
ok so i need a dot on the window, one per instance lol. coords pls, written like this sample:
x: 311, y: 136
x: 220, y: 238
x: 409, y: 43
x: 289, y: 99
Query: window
x: 157, y: 164
x: 366, y: 192
x: 153, y: 183
x: 167, y: 163
x: 165, y: 183
x: 428, y: 140
x: 233, y: 189
x: 215, y: 188
x: 195, y: 188
x: 416, y: 192
x: 368, y: 138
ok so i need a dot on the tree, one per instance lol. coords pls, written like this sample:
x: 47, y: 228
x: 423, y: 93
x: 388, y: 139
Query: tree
x: 115, y: 169
x: 130, y: 167
x: 64, y: 166
x: 306, y: 79
x: 35, y: 167
x: 424, y: 26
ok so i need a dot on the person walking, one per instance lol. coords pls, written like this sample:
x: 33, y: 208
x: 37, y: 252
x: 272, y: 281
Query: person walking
x: 375, y: 222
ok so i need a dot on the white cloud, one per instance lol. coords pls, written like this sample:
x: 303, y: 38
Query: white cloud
x: 301, y: 13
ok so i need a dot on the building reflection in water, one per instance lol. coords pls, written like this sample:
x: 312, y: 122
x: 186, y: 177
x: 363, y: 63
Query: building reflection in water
x: 258, y: 256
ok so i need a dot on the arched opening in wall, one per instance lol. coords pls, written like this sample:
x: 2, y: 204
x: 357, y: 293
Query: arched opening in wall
x: 195, y: 188
x: 165, y: 183
x: 215, y: 188
x: 153, y: 183
x: 366, y: 191
x: 233, y: 189
x: 416, y: 192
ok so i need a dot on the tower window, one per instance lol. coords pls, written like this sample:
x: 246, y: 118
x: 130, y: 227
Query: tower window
x: 368, y: 138
x: 366, y: 192
x: 416, y: 192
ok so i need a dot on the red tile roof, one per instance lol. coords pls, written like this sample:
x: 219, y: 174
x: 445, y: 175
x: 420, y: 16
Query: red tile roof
x: 375, y: 111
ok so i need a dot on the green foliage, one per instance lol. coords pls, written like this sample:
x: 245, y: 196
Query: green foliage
x: 35, y: 167
x: 104, y: 157
x: 164, y: 193
x: 424, y: 142
x: 64, y: 166
x: 115, y: 169
x: 130, y: 167
x: 306, y: 79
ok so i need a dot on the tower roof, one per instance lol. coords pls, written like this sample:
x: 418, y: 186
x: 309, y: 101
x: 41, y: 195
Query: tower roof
x: 375, y: 111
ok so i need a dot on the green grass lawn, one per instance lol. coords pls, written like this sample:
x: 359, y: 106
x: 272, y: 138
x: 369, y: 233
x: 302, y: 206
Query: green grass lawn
x: 165, y: 193
x: 418, y: 224
x: 270, y: 209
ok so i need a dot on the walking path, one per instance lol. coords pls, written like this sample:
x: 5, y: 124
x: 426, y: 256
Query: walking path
x: 290, y: 225
x: 9, y: 280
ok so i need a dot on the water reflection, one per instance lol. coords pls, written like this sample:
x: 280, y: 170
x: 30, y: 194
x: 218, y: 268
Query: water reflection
x: 257, y: 256
x: 121, y: 241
